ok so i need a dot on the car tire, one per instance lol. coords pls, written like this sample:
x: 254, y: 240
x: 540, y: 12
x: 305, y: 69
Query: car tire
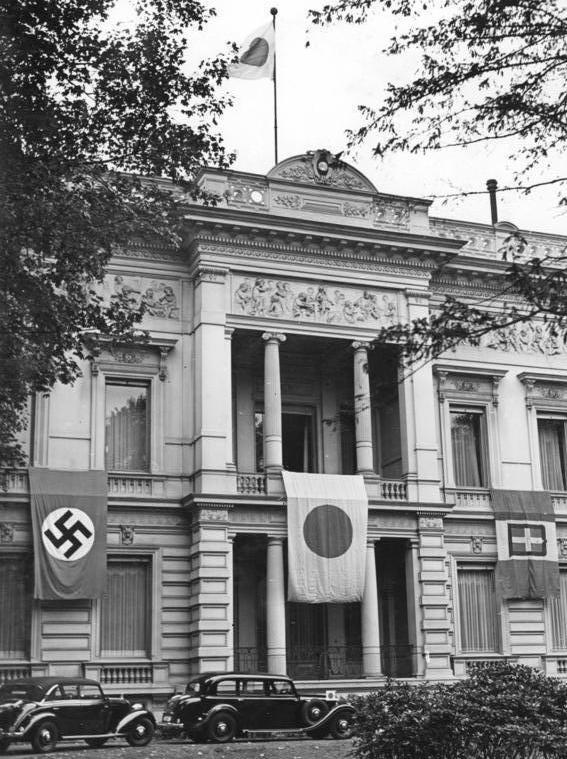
x: 140, y: 732
x: 44, y: 737
x: 95, y: 742
x: 342, y: 726
x: 221, y: 727
x: 4, y: 745
x: 313, y: 711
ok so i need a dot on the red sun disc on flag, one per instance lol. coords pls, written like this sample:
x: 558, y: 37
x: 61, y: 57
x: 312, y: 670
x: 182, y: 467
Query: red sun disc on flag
x: 327, y: 530
x: 257, y: 53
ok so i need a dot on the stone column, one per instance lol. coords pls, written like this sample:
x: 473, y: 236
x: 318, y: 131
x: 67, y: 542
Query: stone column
x: 273, y: 460
x: 228, y: 332
x: 362, y: 410
x: 370, y: 622
x: 275, y: 607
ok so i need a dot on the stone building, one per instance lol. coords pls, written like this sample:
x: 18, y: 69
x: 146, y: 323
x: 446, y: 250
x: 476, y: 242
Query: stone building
x: 261, y: 358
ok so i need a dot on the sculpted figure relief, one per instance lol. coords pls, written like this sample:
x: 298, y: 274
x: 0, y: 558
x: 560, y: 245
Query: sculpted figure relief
x: 158, y: 297
x: 527, y: 338
x: 281, y: 299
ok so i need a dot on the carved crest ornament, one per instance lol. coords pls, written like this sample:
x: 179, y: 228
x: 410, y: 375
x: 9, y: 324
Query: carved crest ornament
x: 280, y: 299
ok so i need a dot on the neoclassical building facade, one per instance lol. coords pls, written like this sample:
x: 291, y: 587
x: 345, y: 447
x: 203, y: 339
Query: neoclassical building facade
x: 262, y: 358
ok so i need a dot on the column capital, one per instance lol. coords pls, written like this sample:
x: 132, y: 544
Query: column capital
x: 361, y: 345
x: 274, y: 539
x: 274, y: 336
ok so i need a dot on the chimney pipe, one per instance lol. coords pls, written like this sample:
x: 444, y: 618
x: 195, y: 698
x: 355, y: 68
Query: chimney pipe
x: 491, y: 186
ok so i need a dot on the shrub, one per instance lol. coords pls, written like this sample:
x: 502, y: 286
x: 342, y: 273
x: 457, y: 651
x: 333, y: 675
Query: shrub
x: 501, y: 712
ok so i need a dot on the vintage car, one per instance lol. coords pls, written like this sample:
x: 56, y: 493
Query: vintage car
x: 44, y: 710
x: 220, y: 707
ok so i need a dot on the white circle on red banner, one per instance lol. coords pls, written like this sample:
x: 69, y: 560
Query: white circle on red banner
x: 327, y: 530
x: 67, y: 533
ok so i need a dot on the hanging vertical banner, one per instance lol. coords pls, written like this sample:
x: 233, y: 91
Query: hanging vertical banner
x: 327, y: 518
x: 526, y: 540
x: 69, y: 533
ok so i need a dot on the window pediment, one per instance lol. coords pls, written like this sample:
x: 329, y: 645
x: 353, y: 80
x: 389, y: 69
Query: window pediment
x: 468, y: 384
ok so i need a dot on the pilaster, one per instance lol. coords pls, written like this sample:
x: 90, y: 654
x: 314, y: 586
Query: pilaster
x: 212, y: 376
x: 434, y: 597
x: 210, y: 592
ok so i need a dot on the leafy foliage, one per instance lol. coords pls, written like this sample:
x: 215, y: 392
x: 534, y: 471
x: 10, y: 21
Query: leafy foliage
x: 95, y: 116
x: 490, y: 70
x: 500, y: 712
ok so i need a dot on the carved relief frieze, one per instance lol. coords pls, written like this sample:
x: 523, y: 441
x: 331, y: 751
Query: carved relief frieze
x: 357, y: 210
x: 287, y: 201
x: 282, y: 299
x: 562, y: 545
x: 387, y: 213
x: 160, y: 298
x: 455, y: 385
x: 527, y: 337
x: 544, y: 393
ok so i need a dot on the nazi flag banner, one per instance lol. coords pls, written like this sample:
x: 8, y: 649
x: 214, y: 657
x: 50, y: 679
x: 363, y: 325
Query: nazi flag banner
x: 69, y: 533
x: 327, y: 517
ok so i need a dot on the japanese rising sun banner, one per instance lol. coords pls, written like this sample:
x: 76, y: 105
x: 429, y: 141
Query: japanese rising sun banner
x: 327, y: 519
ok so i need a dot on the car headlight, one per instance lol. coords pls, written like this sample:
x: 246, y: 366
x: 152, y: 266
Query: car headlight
x: 136, y: 707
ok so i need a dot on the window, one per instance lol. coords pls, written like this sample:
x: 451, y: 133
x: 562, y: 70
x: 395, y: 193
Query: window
x: 16, y: 604
x: 468, y: 444
x: 227, y: 688
x: 126, y: 609
x: 551, y: 434
x: 127, y: 426
x: 477, y: 609
x: 558, y: 610
x: 297, y: 440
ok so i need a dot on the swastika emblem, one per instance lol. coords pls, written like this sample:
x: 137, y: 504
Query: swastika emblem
x: 68, y: 534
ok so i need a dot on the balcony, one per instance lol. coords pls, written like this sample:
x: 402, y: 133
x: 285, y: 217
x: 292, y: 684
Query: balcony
x: 254, y: 483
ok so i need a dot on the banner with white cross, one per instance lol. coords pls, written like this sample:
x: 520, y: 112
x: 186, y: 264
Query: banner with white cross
x: 68, y: 510
x: 527, y: 544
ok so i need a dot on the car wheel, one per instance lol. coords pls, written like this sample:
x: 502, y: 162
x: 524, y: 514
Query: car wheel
x: 312, y: 711
x: 222, y: 727
x: 44, y: 738
x: 4, y: 745
x: 95, y: 742
x: 342, y: 726
x: 141, y: 732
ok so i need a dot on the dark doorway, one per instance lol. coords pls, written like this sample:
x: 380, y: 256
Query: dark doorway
x: 397, y: 654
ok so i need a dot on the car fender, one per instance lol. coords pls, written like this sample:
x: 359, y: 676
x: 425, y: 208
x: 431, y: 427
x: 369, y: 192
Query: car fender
x: 327, y: 719
x: 38, y: 718
x: 132, y: 717
x: 220, y: 708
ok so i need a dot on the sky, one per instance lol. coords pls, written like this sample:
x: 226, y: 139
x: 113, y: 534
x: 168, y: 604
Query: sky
x: 319, y: 89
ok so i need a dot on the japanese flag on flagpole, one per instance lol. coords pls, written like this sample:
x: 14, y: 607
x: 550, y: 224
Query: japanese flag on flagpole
x: 327, y: 518
x: 256, y: 55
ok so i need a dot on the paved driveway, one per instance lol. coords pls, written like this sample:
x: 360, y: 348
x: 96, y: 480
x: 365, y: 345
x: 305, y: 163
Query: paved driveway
x: 301, y: 748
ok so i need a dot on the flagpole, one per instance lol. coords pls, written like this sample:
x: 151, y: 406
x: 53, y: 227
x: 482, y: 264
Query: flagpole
x: 274, y: 12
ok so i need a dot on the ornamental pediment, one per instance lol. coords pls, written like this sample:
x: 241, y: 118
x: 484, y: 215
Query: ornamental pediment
x: 310, y: 301
x: 324, y: 169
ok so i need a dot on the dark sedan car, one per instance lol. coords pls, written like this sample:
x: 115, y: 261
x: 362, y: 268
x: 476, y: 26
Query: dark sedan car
x: 219, y: 707
x: 44, y: 710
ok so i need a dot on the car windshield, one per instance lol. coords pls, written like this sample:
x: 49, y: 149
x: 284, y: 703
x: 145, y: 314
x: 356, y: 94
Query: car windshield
x: 194, y: 688
x: 26, y: 691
